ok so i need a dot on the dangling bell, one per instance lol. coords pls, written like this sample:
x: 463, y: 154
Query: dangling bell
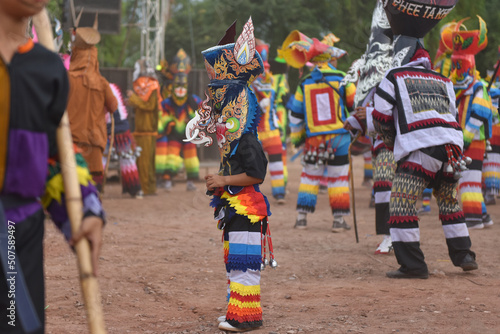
x: 463, y: 167
x: 488, y: 146
x: 468, y: 160
x: 320, y: 162
x: 332, y: 156
x: 457, y: 175
x: 274, y: 264
x: 262, y: 266
x: 449, y: 169
x: 266, y: 262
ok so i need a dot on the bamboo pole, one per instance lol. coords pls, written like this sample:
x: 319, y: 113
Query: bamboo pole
x: 351, y: 179
x: 89, y: 284
x: 110, y: 148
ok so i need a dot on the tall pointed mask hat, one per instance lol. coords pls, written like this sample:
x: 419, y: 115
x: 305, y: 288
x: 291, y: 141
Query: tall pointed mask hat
x: 231, y: 68
x: 466, y: 44
x: 179, y: 68
x: 368, y: 71
x: 411, y: 20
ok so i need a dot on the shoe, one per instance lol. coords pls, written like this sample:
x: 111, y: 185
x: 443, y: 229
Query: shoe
x: 424, y: 209
x: 323, y: 189
x: 139, y: 195
x: 340, y: 225
x: 225, y: 326
x: 222, y: 318
x: 280, y: 199
x: 489, y: 200
x: 385, y: 246
x: 487, y: 221
x: 168, y: 185
x: 468, y: 263
x: 190, y: 186
x: 401, y: 274
x: 300, y: 224
x: 474, y: 225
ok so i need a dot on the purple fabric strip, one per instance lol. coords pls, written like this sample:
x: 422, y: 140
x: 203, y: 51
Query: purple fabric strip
x: 19, y: 214
x: 26, y: 169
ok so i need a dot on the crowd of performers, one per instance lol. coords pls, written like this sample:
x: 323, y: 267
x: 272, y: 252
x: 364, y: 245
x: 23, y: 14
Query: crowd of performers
x: 424, y: 128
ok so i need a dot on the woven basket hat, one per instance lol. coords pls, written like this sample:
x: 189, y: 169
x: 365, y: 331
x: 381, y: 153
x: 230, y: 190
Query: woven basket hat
x: 85, y: 37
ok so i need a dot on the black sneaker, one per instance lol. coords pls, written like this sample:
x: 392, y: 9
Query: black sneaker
x: 406, y: 274
x: 468, y: 263
x: 474, y: 225
x: 301, y: 224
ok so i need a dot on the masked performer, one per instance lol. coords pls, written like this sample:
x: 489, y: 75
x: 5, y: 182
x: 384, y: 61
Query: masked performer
x: 144, y: 100
x: 367, y: 72
x: 268, y: 128
x: 475, y: 113
x: 415, y: 114
x: 89, y: 98
x: 124, y: 147
x: 317, y: 113
x: 240, y: 207
x: 32, y: 101
x: 177, y: 110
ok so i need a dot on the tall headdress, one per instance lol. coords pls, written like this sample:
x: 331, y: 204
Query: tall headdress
x: 263, y: 49
x: 410, y: 21
x: 85, y: 37
x: 231, y: 68
x: 466, y: 44
x: 442, y: 62
x: 179, y: 68
x: 368, y: 71
x: 298, y: 49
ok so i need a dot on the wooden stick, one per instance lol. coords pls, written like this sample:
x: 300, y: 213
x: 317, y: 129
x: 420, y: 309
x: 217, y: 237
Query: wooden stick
x: 351, y: 179
x: 89, y: 284
x: 108, y: 158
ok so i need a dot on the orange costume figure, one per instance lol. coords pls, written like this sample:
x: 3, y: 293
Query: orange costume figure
x: 144, y: 99
x: 89, y: 97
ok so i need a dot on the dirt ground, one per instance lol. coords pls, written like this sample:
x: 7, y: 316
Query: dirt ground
x: 161, y: 271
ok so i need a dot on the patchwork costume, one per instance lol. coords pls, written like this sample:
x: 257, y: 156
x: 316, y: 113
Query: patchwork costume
x: 415, y: 114
x: 268, y: 129
x: 177, y: 110
x: 241, y: 211
x: 317, y: 112
x: 32, y: 101
x: 475, y: 113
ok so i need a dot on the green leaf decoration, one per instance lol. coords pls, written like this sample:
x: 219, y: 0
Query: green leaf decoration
x: 467, y: 42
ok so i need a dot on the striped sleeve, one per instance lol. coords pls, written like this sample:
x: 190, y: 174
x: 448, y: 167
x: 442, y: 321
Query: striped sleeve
x: 383, y: 118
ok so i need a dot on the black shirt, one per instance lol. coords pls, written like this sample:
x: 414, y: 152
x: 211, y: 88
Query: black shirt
x: 249, y: 158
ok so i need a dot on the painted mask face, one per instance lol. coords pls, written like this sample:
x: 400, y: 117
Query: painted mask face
x: 463, y: 70
x: 180, y: 67
x: 180, y: 89
x: 231, y: 69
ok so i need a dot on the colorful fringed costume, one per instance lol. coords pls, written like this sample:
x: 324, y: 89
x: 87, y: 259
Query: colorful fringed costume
x: 241, y: 211
x: 145, y: 102
x: 415, y: 114
x: 491, y: 163
x: 268, y: 129
x: 475, y: 113
x: 177, y: 111
x: 32, y: 101
x: 317, y: 113
x: 124, y: 146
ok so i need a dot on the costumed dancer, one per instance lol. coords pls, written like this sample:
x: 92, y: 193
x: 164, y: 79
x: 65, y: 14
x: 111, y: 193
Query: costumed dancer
x: 177, y: 110
x: 317, y: 113
x: 491, y: 163
x: 32, y: 102
x: 415, y: 114
x: 89, y: 98
x: 367, y: 72
x: 145, y: 101
x: 124, y: 148
x: 268, y: 128
x: 475, y: 113
x: 282, y: 89
x: 240, y: 208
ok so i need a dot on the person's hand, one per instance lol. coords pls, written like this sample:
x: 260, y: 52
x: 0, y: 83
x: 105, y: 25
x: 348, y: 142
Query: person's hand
x: 214, y: 181
x: 361, y: 112
x: 91, y: 229
x: 348, y: 126
x: 129, y: 93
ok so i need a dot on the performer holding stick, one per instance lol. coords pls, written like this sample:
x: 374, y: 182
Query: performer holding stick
x: 30, y: 127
